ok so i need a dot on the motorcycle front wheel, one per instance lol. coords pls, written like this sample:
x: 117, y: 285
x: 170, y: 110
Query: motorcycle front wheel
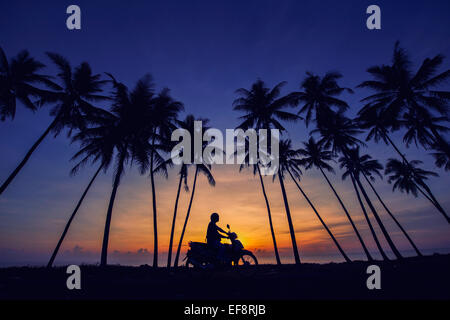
x: 248, y: 259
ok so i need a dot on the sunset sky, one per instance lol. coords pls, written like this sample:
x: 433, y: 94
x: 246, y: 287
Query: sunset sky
x: 203, y: 51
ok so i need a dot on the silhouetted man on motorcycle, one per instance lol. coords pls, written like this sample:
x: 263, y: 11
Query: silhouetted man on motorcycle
x: 213, y: 236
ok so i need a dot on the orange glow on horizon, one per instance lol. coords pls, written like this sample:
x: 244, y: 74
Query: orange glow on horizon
x: 237, y: 197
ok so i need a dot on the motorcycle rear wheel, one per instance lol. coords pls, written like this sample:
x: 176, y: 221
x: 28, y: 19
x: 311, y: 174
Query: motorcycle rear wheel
x: 191, y: 263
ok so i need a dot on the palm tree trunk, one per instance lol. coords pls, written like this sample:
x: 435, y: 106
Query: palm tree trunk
x: 429, y: 198
x: 186, y: 219
x: 104, y: 255
x: 288, y: 214
x: 393, y: 218
x: 369, y: 257
x: 425, y: 186
x: 172, y: 231
x: 395, y: 147
x: 320, y: 218
x: 27, y: 156
x: 378, y: 219
x: 155, y: 222
x: 434, y: 201
x: 424, y: 194
x: 61, y: 239
x: 275, y: 247
x: 377, y: 242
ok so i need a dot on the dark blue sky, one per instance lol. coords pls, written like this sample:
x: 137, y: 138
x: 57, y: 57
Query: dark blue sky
x: 203, y: 51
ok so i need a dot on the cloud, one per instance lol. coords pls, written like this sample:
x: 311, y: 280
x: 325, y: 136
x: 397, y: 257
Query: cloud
x: 76, y: 255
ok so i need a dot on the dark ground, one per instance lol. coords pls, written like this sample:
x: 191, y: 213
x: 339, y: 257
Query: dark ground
x: 412, y: 278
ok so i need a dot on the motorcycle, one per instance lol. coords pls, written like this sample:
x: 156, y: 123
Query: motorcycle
x: 200, y: 255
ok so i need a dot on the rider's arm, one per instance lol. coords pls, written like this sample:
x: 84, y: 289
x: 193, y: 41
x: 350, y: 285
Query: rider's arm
x: 218, y: 229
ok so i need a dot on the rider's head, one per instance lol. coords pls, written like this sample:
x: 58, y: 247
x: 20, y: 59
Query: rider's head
x: 215, y: 217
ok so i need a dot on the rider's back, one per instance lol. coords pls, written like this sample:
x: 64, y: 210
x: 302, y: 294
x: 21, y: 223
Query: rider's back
x: 212, y: 235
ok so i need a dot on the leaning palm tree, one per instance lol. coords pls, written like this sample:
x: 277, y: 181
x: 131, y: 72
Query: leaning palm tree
x: 356, y: 166
x: 73, y: 108
x: 122, y: 157
x: 206, y: 171
x: 419, y: 130
x: 370, y: 178
x: 315, y: 155
x: 244, y: 151
x: 97, y: 145
x: 18, y: 78
x: 399, y: 91
x: 377, y: 125
x: 319, y: 96
x: 202, y: 168
x: 409, y: 178
x: 338, y: 135
x: 264, y: 108
x: 290, y: 163
x: 181, y: 180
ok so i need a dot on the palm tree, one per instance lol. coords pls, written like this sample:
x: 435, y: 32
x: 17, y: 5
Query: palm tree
x: 72, y: 216
x: 290, y: 163
x: 245, y: 151
x: 377, y: 125
x: 368, y: 179
x: 399, y: 92
x: 130, y: 133
x: 73, y: 109
x: 97, y: 145
x: 17, y: 80
x: 122, y: 158
x: 280, y: 172
x: 419, y: 130
x: 187, y: 124
x: 409, y: 178
x: 319, y: 96
x: 315, y: 155
x: 338, y: 135
x: 264, y: 108
x: 160, y: 120
x: 182, y: 178
x: 399, y: 89
x: 203, y: 168
x: 357, y: 165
